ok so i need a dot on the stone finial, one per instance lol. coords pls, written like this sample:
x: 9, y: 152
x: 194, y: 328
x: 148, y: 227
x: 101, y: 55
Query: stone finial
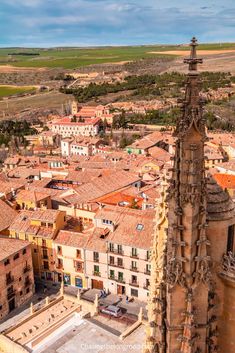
x: 31, y: 308
x: 47, y: 301
x: 140, y: 315
x: 96, y: 302
x: 193, y: 60
x: 62, y: 288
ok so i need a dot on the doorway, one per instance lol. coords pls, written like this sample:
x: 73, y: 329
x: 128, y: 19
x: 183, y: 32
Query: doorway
x: 121, y: 289
x: 11, y: 304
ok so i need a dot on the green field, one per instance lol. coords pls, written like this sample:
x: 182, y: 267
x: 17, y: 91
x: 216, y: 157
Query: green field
x: 71, y: 58
x: 6, y: 91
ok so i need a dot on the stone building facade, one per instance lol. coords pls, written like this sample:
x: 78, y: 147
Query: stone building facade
x: 191, y: 306
x: 16, y: 274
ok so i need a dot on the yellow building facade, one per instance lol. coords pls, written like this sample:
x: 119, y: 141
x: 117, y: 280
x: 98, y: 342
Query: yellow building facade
x: 69, y: 249
x: 40, y: 228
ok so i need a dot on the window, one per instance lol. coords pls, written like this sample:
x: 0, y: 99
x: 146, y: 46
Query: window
x: 134, y: 279
x: 133, y: 265
x: 111, y: 260
x: 120, y: 276
x: 119, y: 262
x: 7, y: 262
x: 106, y: 221
x: 27, y: 290
x: 24, y: 251
x: 111, y: 274
x: 230, y: 240
x: 44, y: 254
x: 59, y: 250
x: 44, y: 243
x: 148, y: 255
x: 60, y: 263
x: 134, y: 292
x: 78, y: 266
x: 140, y: 226
x: 46, y: 265
x: 21, y: 292
x: 119, y: 248
x: 134, y: 252
x: 96, y: 270
x: 35, y: 251
x: 148, y: 269
x: 20, y: 279
x: 111, y: 247
x: 26, y: 237
x: 16, y: 256
x: 96, y: 256
x: 78, y: 253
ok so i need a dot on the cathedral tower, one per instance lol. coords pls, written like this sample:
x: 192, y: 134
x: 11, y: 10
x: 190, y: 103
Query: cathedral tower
x: 184, y: 309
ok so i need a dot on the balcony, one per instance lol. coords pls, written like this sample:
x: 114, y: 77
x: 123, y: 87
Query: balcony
x: 134, y: 256
x: 96, y: 259
x: 134, y: 284
x: 115, y: 265
x: 134, y: 269
x: 45, y: 256
x: 116, y: 251
x: 117, y: 279
x: 96, y: 273
x: 9, y: 280
x: 147, y: 272
x: 80, y: 270
x: 59, y: 266
x: 146, y: 286
x: 26, y: 269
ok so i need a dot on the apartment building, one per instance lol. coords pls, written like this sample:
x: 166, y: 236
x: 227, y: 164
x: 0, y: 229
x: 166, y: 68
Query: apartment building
x: 16, y: 274
x: 69, y: 126
x: 128, y: 249
x: 79, y: 146
x: 40, y: 227
x: 31, y: 199
x: 69, y: 248
x: 114, y: 255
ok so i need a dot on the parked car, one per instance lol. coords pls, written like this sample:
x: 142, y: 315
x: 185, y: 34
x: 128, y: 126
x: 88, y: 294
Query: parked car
x: 112, y: 310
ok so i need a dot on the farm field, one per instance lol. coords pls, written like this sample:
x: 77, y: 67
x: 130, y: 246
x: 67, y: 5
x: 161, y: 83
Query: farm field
x: 6, y: 91
x: 49, y: 100
x: 72, y: 58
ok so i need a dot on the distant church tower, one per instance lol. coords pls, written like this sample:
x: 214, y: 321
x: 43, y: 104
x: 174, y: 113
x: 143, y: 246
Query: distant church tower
x: 194, y: 234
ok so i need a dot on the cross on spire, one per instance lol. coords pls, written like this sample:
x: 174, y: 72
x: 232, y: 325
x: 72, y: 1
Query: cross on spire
x: 193, y: 60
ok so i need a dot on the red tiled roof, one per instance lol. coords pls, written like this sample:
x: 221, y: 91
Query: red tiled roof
x: 226, y: 181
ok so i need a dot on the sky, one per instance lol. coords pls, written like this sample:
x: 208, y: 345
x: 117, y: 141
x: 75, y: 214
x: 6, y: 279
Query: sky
x: 47, y: 23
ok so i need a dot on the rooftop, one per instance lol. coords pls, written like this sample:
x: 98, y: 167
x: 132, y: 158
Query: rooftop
x: 10, y: 246
x: 7, y: 215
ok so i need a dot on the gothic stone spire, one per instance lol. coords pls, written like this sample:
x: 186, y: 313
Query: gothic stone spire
x: 188, y: 262
x: 192, y: 103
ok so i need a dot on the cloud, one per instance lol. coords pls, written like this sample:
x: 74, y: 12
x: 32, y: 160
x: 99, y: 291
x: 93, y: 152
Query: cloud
x: 105, y: 22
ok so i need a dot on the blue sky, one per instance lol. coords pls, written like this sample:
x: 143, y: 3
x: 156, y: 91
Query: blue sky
x: 45, y: 23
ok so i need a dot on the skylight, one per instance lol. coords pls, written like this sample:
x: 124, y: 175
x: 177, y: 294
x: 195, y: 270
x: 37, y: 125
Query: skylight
x: 140, y: 226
